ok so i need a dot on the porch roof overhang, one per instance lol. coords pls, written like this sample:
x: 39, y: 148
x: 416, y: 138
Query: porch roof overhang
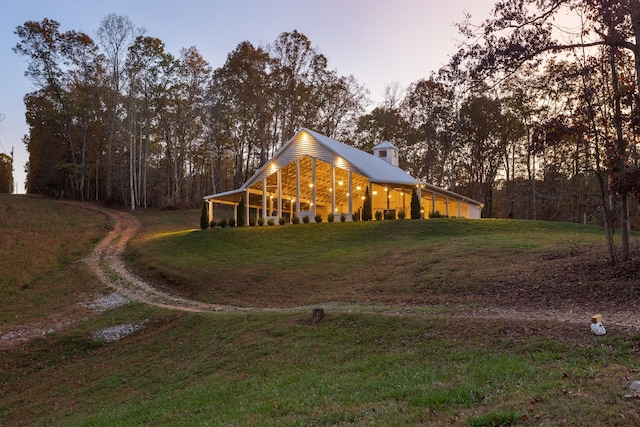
x: 228, y: 197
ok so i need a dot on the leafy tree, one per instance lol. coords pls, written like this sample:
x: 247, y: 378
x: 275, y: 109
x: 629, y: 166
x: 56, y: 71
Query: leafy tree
x: 522, y: 31
x: 430, y: 109
x: 65, y: 67
x: 240, y: 111
x: 116, y: 33
x: 6, y: 174
x: 480, y: 117
x: 367, y: 208
x: 415, y: 205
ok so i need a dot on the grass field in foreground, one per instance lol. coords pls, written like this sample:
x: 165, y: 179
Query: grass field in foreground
x: 359, y: 368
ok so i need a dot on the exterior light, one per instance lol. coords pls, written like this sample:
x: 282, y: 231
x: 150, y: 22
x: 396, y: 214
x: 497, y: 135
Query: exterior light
x: 358, y: 188
x: 330, y: 190
x: 347, y: 194
x: 362, y: 197
x: 375, y: 193
x: 339, y: 182
x: 311, y: 185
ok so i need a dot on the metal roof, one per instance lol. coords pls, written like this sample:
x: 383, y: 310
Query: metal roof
x: 384, y: 145
x: 377, y: 170
x: 373, y: 168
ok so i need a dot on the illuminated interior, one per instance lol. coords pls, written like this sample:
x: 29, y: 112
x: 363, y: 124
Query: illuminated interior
x: 300, y: 183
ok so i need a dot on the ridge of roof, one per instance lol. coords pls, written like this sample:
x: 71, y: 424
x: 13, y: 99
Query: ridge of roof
x: 385, y: 144
x: 374, y: 168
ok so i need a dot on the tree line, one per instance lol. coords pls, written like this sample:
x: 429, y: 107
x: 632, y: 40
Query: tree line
x: 529, y: 126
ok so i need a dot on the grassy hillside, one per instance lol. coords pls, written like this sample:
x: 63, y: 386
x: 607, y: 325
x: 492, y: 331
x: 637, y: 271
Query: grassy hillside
x: 381, y: 366
x: 398, y: 262
x: 41, y: 245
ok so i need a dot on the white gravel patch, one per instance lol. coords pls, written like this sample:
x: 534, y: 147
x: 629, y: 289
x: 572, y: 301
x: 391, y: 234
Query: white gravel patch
x: 106, y: 302
x: 115, y: 333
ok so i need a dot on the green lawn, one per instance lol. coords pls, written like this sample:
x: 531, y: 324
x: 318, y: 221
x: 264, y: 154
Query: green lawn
x: 394, y: 359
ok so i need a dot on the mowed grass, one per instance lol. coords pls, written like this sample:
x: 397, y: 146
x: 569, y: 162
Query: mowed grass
x: 390, y: 367
x: 409, y: 262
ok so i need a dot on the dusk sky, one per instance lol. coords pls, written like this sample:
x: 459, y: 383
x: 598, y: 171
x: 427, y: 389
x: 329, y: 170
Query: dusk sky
x: 379, y: 42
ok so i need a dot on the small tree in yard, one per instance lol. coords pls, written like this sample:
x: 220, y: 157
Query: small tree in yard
x: 415, y: 205
x: 204, y: 217
x: 241, y: 212
x: 367, y: 211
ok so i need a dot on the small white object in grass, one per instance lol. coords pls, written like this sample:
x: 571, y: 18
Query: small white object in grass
x: 598, y: 329
x: 635, y: 386
x: 106, y: 302
x: 115, y: 333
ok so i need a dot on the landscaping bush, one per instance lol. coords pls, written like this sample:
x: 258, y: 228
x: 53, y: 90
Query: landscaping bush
x: 366, y: 206
x: 252, y: 222
x: 260, y: 221
x: 415, y: 205
x: 282, y: 221
x: 343, y: 217
x: 223, y: 223
x: 330, y: 217
x: 402, y: 214
x: 232, y: 222
x: 305, y: 220
x: 295, y: 220
x: 378, y: 215
x: 437, y: 214
x: 204, y: 217
x: 270, y: 221
x: 390, y: 215
x: 356, y: 216
x: 242, y: 211
x: 213, y: 224
x: 318, y: 218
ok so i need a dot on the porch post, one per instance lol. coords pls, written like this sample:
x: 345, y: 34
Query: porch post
x: 350, y: 198
x: 446, y: 204
x: 313, y: 188
x: 264, y: 198
x: 279, y: 176
x: 235, y: 213
x: 246, y: 206
x: 210, y: 202
x: 433, y: 202
x: 459, y: 209
x: 297, y: 186
x: 333, y: 189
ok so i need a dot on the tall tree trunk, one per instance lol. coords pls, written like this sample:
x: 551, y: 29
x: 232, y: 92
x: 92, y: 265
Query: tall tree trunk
x: 624, y: 211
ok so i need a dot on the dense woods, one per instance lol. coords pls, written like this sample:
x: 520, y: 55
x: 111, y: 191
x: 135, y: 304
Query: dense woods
x: 531, y: 127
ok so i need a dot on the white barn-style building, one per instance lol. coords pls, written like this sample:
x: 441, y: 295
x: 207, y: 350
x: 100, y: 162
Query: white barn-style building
x: 316, y: 175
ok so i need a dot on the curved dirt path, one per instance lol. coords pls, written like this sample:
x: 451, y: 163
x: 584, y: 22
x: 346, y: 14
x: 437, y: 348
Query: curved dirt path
x: 106, y: 262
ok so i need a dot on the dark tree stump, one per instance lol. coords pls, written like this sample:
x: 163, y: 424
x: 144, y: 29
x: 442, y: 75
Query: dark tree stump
x: 317, y: 315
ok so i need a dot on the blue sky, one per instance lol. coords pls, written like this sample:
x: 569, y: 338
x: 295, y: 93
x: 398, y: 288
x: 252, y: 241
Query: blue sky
x: 379, y: 42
